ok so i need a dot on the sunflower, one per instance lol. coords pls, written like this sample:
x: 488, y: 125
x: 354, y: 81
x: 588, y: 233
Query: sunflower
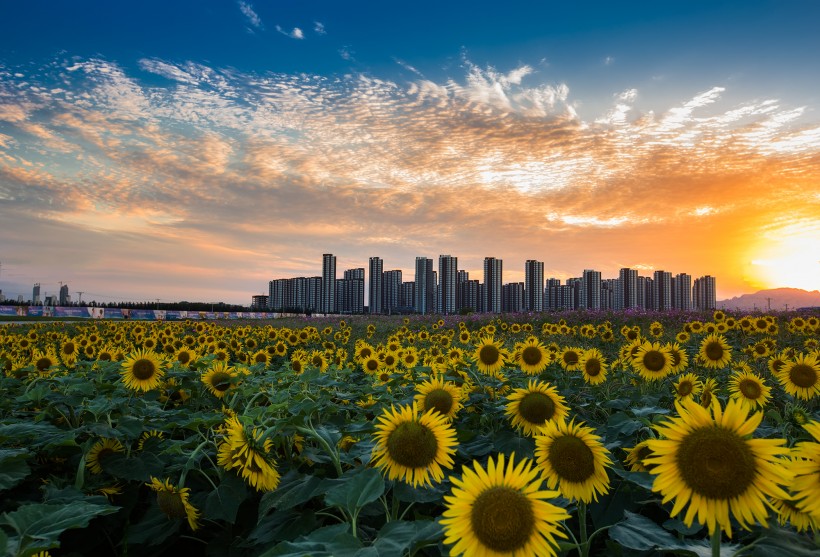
x: 749, y: 389
x: 440, y: 395
x: 69, y: 350
x: 173, y: 501
x: 489, y: 356
x: 101, y: 449
x: 593, y: 366
x: 708, y: 395
x: 260, y: 357
x: 635, y: 457
x: 43, y: 361
x: 715, y: 352
x: 501, y: 511
x: 146, y: 435
x: 186, y: 356
x: 219, y: 378
x: 572, y: 457
x: 569, y: 358
x: 531, y: 408
x: 652, y: 361
x: 789, y: 513
x: 680, y: 360
x: 801, y: 376
x: 250, y: 454
x: 371, y: 365
x: 531, y: 356
x: 143, y: 370
x: 688, y: 386
x: 412, y: 447
x: 806, y: 468
x: 707, y: 461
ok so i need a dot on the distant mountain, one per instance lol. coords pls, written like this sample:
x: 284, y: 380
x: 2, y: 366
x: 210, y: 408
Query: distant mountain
x: 776, y: 299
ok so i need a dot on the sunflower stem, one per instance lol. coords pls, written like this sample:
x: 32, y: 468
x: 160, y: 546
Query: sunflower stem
x: 716, y: 542
x: 583, y: 545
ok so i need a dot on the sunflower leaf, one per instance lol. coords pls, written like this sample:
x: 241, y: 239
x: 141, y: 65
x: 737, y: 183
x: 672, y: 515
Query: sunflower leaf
x: 223, y: 503
x: 356, y: 489
x: 13, y: 467
x: 400, y: 537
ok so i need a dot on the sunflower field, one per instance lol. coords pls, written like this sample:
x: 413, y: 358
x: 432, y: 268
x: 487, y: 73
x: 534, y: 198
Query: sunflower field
x: 549, y: 434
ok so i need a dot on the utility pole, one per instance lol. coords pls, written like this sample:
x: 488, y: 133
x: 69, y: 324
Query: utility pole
x: 769, y: 301
x: 787, y: 306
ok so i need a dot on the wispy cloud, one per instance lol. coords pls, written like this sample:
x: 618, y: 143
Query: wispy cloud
x: 347, y: 54
x: 295, y: 33
x: 319, y: 28
x: 253, y: 18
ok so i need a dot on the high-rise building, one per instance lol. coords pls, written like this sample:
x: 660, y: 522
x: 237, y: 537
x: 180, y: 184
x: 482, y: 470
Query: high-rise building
x: 408, y: 295
x: 64, y: 298
x: 627, y: 289
x: 376, y: 288
x: 553, y: 298
x: 512, y: 295
x: 572, y: 297
x: 590, y: 294
x: 704, y: 293
x: 470, y: 299
x: 493, y: 282
x: 534, y: 285
x: 425, y: 285
x: 662, y: 291
x: 353, y: 291
x: 682, y: 292
x: 447, y: 294
x: 259, y: 302
x: 35, y: 294
x: 391, y: 298
x: 609, y: 290
x: 328, y: 304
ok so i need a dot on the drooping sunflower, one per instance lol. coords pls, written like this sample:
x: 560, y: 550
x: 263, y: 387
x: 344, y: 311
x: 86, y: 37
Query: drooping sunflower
x: 413, y: 448
x: 532, y: 407
x: 635, y: 457
x: 708, y: 396
x: 489, y: 355
x: 806, y: 468
x: 146, y: 435
x: 440, y: 395
x: 531, y: 356
x: 687, y: 386
x: 219, y: 378
x: 173, y: 501
x: 801, y: 376
x: 593, y: 366
x: 143, y: 370
x: 750, y: 389
x: 788, y: 513
x: 708, y: 461
x: 572, y: 458
x: 250, y: 453
x: 680, y: 360
x: 652, y: 361
x: 715, y: 352
x: 100, y: 450
x: 501, y: 511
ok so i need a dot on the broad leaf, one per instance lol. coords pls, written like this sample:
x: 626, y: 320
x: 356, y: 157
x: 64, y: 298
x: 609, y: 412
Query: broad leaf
x: 356, y: 489
x: 13, y: 467
x: 224, y: 502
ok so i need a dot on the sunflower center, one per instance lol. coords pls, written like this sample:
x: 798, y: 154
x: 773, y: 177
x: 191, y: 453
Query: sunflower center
x: 571, y: 459
x: 412, y: 445
x: 531, y: 355
x: 716, y: 463
x: 593, y: 368
x: 502, y: 519
x: 439, y: 400
x: 372, y: 365
x: 184, y: 357
x: 706, y: 398
x: 260, y: 358
x: 171, y: 504
x: 143, y: 369
x: 803, y: 375
x: 714, y: 351
x: 69, y: 348
x: 488, y: 354
x: 654, y: 360
x: 570, y: 358
x: 536, y: 408
x: 221, y: 381
x: 750, y: 389
x: 685, y: 388
x: 43, y: 364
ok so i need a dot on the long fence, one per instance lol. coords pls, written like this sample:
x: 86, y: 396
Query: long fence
x: 135, y: 314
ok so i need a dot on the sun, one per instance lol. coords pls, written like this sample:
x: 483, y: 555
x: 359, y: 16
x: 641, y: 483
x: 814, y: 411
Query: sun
x: 790, y: 258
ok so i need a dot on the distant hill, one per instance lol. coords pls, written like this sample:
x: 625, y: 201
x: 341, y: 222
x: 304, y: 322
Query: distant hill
x: 777, y: 299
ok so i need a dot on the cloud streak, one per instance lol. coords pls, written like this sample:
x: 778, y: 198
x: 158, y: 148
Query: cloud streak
x: 222, y: 168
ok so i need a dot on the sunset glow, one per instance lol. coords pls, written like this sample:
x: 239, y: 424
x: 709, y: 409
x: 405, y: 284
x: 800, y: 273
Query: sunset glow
x: 148, y: 169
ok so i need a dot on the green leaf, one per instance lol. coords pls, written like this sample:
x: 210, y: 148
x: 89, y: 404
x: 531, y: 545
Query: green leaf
x: 120, y: 466
x: 39, y: 525
x: 401, y: 537
x: 294, y: 489
x: 356, y: 489
x: 409, y: 494
x: 223, y: 503
x: 335, y: 541
x: 781, y: 541
x: 642, y: 479
x: 639, y: 533
x: 13, y: 467
x: 621, y: 424
x: 154, y: 528
x: 41, y: 436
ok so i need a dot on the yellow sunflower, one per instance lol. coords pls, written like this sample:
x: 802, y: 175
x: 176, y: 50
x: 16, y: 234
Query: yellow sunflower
x: 43, y: 361
x: 715, y: 352
x: 371, y: 365
x: 101, y: 449
x: 250, y: 453
x: 219, y: 378
x: 680, y: 360
x: 801, y: 376
x: 440, y: 395
x: 531, y: 356
x: 501, y: 511
x: 652, y: 361
x: 593, y: 366
x: 708, y: 461
x: 749, y: 389
x: 412, y: 447
x: 688, y: 386
x: 489, y: 356
x: 143, y: 370
x: 569, y: 358
x: 806, y: 468
x: 572, y: 458
x: 173, y: 501
x: 637, y: 455
x: 788, y: 513
x: 531, y: 408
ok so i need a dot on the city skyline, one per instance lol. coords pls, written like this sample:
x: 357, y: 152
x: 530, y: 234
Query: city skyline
x: 191, y: 151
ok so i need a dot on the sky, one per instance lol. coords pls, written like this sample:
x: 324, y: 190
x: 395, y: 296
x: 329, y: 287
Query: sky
x: 197, y: 150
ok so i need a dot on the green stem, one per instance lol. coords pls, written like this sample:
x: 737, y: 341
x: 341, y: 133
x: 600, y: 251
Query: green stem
x: 583, y: 547
x: 716, y: 542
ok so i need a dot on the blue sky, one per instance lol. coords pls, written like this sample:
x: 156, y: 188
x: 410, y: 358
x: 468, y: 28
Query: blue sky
x: 201, y: 137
